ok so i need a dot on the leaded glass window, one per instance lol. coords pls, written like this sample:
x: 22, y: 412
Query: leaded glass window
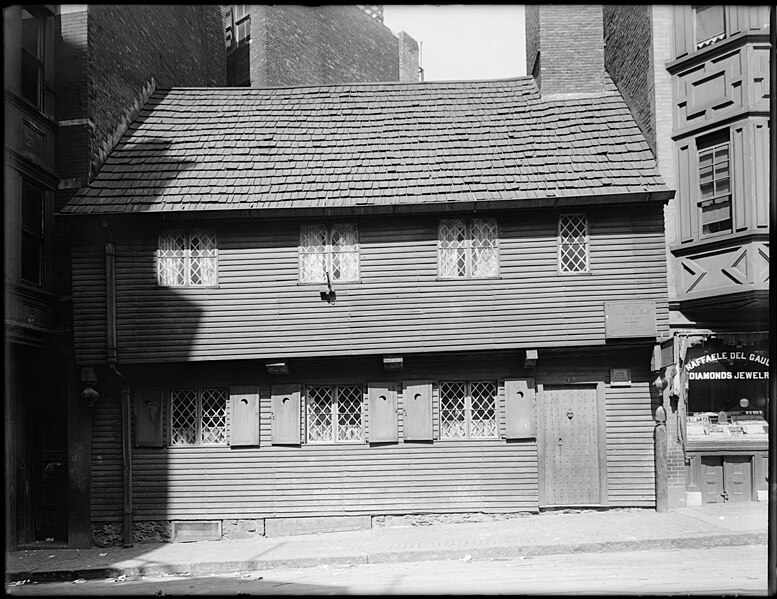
x: 198, y: 417
x: 573, y: 243
x: 187, y: 259
x: 334, y: 414
x: 329, y: 249
x: 468, y: 410
x: 467, y: 248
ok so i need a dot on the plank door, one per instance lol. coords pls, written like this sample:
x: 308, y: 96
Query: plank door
x: 712, y: 479
x: 570, y: 449
x: 737, y: 478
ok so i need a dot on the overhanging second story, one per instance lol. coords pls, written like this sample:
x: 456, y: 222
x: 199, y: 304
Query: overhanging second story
x: 721, y: 100
x: 369, y: 219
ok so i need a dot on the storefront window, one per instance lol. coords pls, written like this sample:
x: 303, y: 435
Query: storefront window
x: 728, y: 388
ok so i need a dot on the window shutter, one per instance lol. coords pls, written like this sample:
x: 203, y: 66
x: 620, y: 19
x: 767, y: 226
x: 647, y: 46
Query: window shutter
x: 286, y: 414
x: 382, y: 399
x: 519, y: 409
x: 148, y: 417
x: 245, y: 416
x: 417, y: 398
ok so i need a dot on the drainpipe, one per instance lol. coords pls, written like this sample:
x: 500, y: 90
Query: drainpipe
x: 126, y: 412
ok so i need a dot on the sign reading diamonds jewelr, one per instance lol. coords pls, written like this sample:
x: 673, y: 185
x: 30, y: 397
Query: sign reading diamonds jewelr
x: 735, y: 365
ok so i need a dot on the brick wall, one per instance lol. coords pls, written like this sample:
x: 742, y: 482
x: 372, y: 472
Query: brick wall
x: 319, y: 45
x: 570, y: 40
x: 408, y: 58
x: 628, y: 59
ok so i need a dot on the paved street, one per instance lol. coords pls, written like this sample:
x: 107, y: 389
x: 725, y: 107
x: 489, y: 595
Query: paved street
x: 735, y: 570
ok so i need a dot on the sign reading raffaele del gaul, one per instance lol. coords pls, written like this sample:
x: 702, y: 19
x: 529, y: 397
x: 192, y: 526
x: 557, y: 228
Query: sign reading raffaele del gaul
x: 728, y: 365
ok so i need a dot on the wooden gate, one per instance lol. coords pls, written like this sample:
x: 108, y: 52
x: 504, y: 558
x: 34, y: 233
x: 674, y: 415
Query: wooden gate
x: 572, y: 449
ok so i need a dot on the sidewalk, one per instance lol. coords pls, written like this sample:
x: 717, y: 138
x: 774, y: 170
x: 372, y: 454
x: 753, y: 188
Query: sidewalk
x: 542, y: 534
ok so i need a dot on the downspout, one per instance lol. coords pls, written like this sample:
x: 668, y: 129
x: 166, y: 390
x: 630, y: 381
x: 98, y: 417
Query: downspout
x: 126, y: 411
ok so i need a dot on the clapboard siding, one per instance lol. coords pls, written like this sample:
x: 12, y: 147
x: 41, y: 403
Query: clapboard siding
x: 400, y: 477
x: 260, y: 310
x: 630, y: 447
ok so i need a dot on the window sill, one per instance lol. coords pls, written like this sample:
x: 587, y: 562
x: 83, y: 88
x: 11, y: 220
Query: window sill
x: 193, y: 287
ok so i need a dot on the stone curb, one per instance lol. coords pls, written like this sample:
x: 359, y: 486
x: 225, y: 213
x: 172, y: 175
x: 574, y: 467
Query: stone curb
x: 459, y: 553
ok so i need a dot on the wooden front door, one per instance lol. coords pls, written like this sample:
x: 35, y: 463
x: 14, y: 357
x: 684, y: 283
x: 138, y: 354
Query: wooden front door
x: 571, y: 472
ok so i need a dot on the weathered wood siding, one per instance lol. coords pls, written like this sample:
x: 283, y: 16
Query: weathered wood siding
x: 260, y: 310
x: 495, y: 475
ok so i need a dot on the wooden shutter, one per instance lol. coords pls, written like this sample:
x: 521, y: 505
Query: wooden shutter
x: 417, y: 399
x: 382, y: 399
x: 519, y: 409
x: 286, y: 414
x: 148, y: 417
x: 244, y: 429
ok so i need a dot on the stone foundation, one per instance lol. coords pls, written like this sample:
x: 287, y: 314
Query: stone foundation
x: 430, y: 519
x: 110, y: 534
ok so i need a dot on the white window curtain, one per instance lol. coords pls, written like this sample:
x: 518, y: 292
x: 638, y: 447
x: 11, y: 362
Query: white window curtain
x: 334, y: 250
x: 468, y: 249
x: 187, y: 258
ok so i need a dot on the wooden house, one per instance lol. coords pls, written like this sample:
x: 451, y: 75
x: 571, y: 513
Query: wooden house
x: 304, y: 308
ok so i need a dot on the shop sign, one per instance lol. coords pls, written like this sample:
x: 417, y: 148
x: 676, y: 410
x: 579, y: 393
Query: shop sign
x: 728, y: 365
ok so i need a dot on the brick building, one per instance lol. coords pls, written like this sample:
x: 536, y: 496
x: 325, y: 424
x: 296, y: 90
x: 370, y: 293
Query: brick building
x: 285, y: 45
x: 697, y: 81
x: 75, y: 75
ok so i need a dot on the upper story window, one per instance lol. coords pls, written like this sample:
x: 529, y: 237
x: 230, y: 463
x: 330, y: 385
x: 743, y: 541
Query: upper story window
x: 467, y: 248
x: 714, y: 185
x: 187, y: 259
x: 32, y: 58
x: 468, y: 410
x: 709, y: 24
x: 573, y: 243
x: 329, y: 252
x: 238, y: 25
x: 33, y: 227
x: 334, y: 414
x: 198, y: 417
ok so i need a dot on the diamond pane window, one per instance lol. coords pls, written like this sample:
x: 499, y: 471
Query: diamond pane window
x: 572, y: 243
x: 198, y: 417
x: 334, y: 414
x: 715, y: 188
x: 467, y: 249
x: 187, y: 259
x: 333, y: 250
x: 468, y: 410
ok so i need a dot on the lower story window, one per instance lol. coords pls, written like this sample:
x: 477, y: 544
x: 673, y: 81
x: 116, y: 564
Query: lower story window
x: 198, y: 417
x: 334, y: 414
x: 468, y: 410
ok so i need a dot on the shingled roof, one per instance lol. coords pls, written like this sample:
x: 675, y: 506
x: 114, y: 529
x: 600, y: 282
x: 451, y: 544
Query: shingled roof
x: 369, y: 144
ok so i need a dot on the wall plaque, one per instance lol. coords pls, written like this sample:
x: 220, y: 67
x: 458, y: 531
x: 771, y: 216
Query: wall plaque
x: 629, y: 319
x: 620, y: 377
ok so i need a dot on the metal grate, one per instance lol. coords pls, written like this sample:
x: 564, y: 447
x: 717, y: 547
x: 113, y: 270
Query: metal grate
x: 573, y: 243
